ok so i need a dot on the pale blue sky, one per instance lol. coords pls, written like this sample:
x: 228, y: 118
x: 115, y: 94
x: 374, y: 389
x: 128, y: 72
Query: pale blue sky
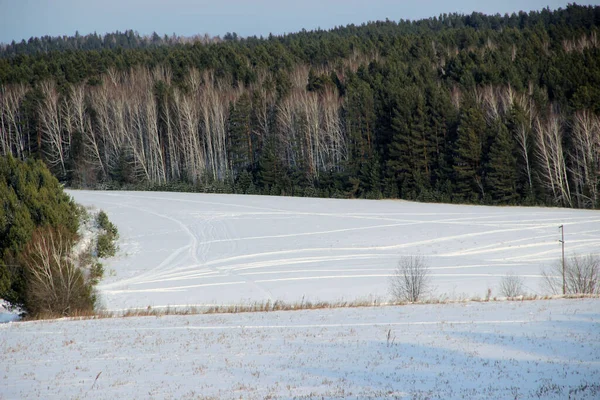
x: 22, y: 19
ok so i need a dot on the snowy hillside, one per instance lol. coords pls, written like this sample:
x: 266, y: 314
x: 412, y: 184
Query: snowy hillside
x: 189, y: 249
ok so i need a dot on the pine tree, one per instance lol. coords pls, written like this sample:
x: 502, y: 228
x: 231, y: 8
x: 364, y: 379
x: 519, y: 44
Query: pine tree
x: 410, y: 149
x: 441, y: 120
x: 360, y: 118
x: 401, y: 151
x: 468, y: 153
x: 241, y: 141
x: 371, y: 177
x: 501, y: 176
x: 270, y: 168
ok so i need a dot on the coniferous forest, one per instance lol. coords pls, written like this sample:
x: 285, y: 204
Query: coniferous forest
x: 457, y: 108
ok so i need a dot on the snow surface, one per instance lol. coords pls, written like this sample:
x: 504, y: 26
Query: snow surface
x: 179, y: 249
x: 498, y: 350
x: 7, y: 314
x: 198, y: 249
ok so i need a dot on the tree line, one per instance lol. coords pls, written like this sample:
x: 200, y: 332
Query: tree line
x: 46, y: 268
x: 481, y: 109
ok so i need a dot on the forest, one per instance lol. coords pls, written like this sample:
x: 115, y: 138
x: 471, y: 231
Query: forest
x: 457, y: 108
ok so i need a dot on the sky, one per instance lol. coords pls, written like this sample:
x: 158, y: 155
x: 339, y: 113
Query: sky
x: 22, y: 19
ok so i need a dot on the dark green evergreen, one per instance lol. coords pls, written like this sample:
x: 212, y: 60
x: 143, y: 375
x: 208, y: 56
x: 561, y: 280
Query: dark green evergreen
x: 413, y: 105
x: 30, y: 197
x: 468, y: 154
x: 242, y: 141
x: 501, y: 169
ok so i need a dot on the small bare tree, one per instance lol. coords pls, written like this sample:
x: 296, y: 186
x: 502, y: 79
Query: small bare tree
x: 55, y: 285
x: 551, y: 157
x: 511, y: 285
x: 411, y: 280
x: 582, y: 276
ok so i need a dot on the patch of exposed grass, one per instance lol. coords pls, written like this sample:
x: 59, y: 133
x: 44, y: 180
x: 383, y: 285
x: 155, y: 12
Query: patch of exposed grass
x: 269, y: 306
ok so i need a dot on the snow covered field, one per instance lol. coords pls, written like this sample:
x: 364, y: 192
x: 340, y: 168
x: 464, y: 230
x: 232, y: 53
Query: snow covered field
x: 182, y: 249
x: 498, y: 350
x: 193, y: 249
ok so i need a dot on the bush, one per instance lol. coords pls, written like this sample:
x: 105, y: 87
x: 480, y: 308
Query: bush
x: 582, y: 276
x: 54, y: 284
x: 105, y: 246
x: 411, y: 280
x: 103, y: 223
x: 96, y: 272
x: 511, y: 286
x: 30, y: 198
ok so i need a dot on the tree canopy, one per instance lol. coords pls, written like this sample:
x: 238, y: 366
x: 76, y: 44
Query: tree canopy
x: 499, y: 109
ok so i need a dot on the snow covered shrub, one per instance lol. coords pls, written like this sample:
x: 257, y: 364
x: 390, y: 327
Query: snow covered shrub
x: 582, y: 276
x: 411, y: 279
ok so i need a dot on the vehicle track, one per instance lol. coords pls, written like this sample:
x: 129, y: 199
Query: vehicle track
x: 252, y: 248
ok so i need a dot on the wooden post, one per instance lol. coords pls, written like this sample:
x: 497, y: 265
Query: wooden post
x: 562, y: 241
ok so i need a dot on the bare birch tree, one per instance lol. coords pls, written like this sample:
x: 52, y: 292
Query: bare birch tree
x: 524, y: 142
x: 106, y: 141
x: 55, y: 144
x: 187, y: 107
x: 551, y: 158
x: 214, y: 98
x: 309, y: 112
x: 585, y: 158
x: 287, y: 129
x: 55, y: 285
x: 334, y: 140
x: 12, y: 138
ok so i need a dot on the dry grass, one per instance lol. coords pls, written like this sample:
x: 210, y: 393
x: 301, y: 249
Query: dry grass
x: 269, y: 306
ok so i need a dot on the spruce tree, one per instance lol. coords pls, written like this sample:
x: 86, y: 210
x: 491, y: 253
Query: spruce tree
x: 270, y: 169
x: 241, y: 141
x: 501, y: 176
x: 468, y: 152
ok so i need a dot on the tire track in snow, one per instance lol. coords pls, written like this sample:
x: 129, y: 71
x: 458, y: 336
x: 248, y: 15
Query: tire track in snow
x: 315, y: 326
x: 299, y: 271
x: 556, y: 251
x: 168, y: 278
x: 291, y: 279
x: 221, y: 252
x: 192, y: 246
x: 305, y: 260
x: 342, y: 270
x: 289, y: 235
x: 310, y: 278
x: 249, y: 281
x: 171, y: 289
x: 395, y: 246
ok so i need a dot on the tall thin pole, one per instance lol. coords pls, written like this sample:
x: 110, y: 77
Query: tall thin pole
x: 562, y: 241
